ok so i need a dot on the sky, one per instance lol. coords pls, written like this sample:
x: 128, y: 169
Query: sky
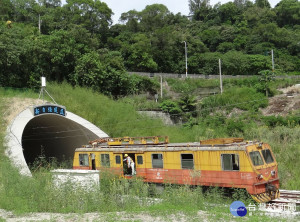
x: 174, y: 6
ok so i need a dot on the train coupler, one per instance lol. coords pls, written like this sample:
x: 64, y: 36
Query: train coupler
x: 266, y: 197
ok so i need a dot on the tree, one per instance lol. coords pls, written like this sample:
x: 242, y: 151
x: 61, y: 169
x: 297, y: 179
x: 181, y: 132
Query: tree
x: 170, y: 107
x: 187, y: 103
x: 229, y: 13
x: 153, y: 17
x: 132, y: 19
x: 6, y: 10
x: 211, y: 37
x: 88, y: 71
x: 63, y: 51
x: 255, y: 15
x: 105, y: 73
x: 19, y: 58
x: 140, y: 57
x: 288, y: 13
x: 94, y: 15
x: 266, y: 76
x: 199, y: 9
x: 165, y: 43
x: 262, y: 3
x: 242, y: 4
x: 24, y: 10
x: 235, y: 63
x: 50, y: 3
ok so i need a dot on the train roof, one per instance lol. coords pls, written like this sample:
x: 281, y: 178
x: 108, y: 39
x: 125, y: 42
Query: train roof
x: 194, y: 146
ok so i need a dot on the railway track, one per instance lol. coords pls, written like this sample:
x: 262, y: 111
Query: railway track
x: 288, y: 196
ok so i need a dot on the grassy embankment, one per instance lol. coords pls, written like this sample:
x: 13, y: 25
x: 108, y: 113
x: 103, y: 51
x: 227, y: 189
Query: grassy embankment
x: 37, y: 194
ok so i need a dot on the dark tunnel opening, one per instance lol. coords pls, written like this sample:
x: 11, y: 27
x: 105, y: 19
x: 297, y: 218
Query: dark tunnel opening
x: 52, y: 136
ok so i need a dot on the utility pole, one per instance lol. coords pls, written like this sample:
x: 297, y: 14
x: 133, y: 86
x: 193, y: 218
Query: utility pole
x: 273, y: 66
x: 39, y: 23
x: 186, y: 69
x: 161, y: 87
x: 221, y: 83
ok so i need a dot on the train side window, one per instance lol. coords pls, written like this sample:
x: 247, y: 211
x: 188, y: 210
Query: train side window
x: 105, y: 160
x: 157, y: 161
x: 140, y: 160
x: 230, y: 162
x: 83, y: 159
x: 256, y: 158
x: 267, y: 156
x: 187, y: 161
x: 118, y: 159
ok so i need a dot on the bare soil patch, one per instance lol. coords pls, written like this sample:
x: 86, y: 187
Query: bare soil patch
x: 285, y: 103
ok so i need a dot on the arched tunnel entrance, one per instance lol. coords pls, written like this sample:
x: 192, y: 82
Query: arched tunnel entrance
x: 53, y: 136
x: 30, y: 136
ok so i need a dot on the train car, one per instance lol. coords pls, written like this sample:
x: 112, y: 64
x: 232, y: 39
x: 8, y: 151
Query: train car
x: 224, y: 162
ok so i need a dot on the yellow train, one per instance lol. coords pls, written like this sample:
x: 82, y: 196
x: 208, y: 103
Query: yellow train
x: 229, y: 162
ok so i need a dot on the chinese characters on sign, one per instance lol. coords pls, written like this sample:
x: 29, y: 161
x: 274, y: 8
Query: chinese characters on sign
x: 238, y: 208
x: 279, y: 207
x: 49, y: 109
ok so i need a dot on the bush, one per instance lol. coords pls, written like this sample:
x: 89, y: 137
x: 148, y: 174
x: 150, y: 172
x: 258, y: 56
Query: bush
x: 273, y: 121
x: 235, y: 127
x: 170, y: 107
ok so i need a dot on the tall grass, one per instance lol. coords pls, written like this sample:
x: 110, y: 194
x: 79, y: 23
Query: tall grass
x: 20, y: 92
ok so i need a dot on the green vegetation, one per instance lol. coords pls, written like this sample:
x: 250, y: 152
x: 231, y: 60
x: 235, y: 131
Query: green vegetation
x: 37, y: 194
x: 78, y: 43
x: 87, y: 58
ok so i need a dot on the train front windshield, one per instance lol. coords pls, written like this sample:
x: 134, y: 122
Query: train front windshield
x: 256, y: 158
x: 267, y: 156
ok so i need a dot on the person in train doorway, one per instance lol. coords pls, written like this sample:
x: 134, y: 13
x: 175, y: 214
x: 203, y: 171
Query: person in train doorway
x: 130, y: 163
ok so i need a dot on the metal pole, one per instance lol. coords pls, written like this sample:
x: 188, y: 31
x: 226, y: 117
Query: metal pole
x: 161, y: 89
x: 272, y: 61
x: 186, y: 70
x: 221, y: 83
x: 39, y: 23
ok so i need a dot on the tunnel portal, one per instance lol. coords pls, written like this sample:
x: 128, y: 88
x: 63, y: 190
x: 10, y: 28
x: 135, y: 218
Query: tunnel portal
x: 53, y: 136
x: 31, y: 136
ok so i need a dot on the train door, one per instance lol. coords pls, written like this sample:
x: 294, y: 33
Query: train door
x: 129, y: 164
x: 92, y: 155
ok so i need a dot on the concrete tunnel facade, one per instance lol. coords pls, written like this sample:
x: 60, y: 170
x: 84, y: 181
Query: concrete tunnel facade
x: 50, y: 135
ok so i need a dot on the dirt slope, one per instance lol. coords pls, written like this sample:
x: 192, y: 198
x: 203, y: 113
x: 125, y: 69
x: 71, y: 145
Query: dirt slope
x: 285, y: 103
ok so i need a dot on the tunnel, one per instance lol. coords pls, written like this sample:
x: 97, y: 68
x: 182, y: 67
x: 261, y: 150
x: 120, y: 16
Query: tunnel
x: 53, y: 136
x: 30, y: 137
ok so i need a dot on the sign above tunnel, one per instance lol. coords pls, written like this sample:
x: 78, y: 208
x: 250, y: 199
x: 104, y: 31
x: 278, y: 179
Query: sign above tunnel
x: 49, y: 109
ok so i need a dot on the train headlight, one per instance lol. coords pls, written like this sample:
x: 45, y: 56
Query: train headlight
x: 260, y: 176
x: 273, y: 173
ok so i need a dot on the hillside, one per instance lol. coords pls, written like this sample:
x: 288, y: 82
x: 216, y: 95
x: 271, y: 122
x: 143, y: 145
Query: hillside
x: 83, y: 48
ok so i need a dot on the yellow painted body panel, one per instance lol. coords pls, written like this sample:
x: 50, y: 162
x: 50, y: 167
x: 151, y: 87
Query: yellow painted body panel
x: 209, y: 160
x: 207, y: 167
x: 203, y: 160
